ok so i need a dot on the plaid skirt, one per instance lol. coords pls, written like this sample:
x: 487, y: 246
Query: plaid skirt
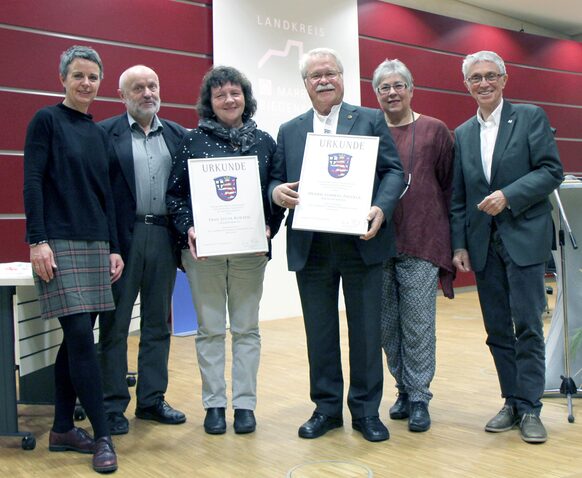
x: 81, y: 283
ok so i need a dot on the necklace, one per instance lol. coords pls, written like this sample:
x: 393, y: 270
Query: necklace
x: 410, y: 157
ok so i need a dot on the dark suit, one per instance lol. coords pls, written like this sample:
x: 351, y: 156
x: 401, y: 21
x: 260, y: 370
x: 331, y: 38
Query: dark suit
x: 508, y: 251
x: 321, y: 259
x: 149, y: 254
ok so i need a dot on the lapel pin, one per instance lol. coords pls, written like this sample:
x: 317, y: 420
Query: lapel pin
x: 510, y: 121
x: 350, y: 116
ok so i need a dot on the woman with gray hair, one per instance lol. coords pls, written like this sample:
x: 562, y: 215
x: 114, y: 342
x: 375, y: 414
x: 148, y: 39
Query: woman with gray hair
x: 423, y: 241
x: 70, y: 227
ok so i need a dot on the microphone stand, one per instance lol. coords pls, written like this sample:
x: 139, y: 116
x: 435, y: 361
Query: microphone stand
x: 568, y: 387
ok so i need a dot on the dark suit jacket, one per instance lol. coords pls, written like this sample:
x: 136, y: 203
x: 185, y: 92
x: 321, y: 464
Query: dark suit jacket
x: 526, y: 167
x: 388, y: 182
x: 123, y: 175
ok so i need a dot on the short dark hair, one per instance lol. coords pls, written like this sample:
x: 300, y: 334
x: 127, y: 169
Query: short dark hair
x: 219, y: 76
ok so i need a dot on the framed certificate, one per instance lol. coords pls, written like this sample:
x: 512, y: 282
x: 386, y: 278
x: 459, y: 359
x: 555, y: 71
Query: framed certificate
x: 227, y: 205
x: 336, y: 183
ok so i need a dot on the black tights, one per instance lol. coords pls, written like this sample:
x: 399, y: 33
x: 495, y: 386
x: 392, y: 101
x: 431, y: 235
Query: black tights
x: 77, y: 374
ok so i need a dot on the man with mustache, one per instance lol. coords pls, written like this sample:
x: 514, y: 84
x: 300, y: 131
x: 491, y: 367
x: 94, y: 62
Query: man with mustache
x: 143, y: 145
x: 320, y: 259
x: 506, y: 166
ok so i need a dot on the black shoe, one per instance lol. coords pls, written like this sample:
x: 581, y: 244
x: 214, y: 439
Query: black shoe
x: 401, y: 407
x: 161, y: 412
x: 419, y: 420
x: 318, y: 425
x: 371, y: 428
x: 244, y: 421
x: 117, y: 423
x: 215, y: 423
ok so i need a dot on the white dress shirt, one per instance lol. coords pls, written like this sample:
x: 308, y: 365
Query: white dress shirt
x: 489, y: 130
x: 326, y: 124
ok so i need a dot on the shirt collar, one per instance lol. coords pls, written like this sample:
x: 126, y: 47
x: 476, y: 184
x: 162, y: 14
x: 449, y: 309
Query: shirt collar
x: 156, y: 124
x: 494, y: 119
x: 334, y: 112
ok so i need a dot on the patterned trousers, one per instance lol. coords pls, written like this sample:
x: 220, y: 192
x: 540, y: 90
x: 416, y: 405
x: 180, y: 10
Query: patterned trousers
x: 408, y: 324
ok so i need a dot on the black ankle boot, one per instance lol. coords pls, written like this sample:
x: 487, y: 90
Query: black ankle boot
x: 215, y: 423
x: 400, y: 409
x: 419, y: 420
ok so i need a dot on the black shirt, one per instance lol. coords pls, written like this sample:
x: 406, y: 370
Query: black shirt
x: 67, y: 193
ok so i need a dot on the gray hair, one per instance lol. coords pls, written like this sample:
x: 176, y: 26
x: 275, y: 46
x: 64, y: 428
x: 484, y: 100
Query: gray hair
x: 483, y: 55
x: 392, y: 67
x: 76, y: 51
x: 318, y: 52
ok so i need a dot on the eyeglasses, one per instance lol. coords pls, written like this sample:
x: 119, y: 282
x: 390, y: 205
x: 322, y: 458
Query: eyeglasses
x: 384, y: 89
x: 489, y: 78
x: 328, y: 75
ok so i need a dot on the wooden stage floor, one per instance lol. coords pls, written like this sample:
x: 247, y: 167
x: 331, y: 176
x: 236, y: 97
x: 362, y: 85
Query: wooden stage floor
x: 465, y: 391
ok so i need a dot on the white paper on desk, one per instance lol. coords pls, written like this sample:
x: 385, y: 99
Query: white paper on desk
x: 227, y: 205
x: 15, y: 271
x: 336, y: 183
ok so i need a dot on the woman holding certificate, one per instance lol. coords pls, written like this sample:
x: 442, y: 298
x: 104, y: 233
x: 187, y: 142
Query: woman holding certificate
x: 70, y: 227
x: 234, y: 281
x: 423, y: 243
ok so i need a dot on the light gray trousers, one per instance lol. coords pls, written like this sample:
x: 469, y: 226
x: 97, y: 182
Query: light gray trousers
x: 233, y: 282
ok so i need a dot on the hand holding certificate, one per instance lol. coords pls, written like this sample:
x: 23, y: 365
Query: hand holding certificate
x: 227, y: 206
x: 336, y: 183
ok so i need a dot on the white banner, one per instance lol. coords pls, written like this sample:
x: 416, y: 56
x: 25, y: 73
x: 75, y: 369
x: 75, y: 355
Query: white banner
x: 265, y: 40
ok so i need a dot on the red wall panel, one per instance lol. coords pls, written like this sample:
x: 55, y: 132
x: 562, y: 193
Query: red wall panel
x: 11, y: 190
x: 570, y: 155
x: 429, y: 68
x: 157, y: 23
x: 443, y: 34
x: 14, y: 131
x: 179, y: 74
x: 14, y: 248
x: 541, y: 70
x: 442, y: 70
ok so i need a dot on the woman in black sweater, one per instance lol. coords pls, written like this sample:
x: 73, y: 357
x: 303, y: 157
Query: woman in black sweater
x: 70, y: 226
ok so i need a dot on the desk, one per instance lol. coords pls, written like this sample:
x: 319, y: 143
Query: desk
x: 8, y: 412
x: 38, y: 342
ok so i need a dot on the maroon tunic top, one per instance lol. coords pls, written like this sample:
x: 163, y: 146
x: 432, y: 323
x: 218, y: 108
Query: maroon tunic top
x: 421, y: 217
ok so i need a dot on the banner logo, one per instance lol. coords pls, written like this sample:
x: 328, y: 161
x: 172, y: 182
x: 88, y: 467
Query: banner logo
x: 226, y: 187
x: 338, y: 164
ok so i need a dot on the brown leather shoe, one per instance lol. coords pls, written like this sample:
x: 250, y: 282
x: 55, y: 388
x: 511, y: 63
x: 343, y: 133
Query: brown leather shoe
x: 104, y: 459
x: 76, y: 439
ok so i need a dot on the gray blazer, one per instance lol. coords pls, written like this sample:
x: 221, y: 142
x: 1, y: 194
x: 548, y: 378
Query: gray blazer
x: 388, y: 182
x: 526, y: 167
